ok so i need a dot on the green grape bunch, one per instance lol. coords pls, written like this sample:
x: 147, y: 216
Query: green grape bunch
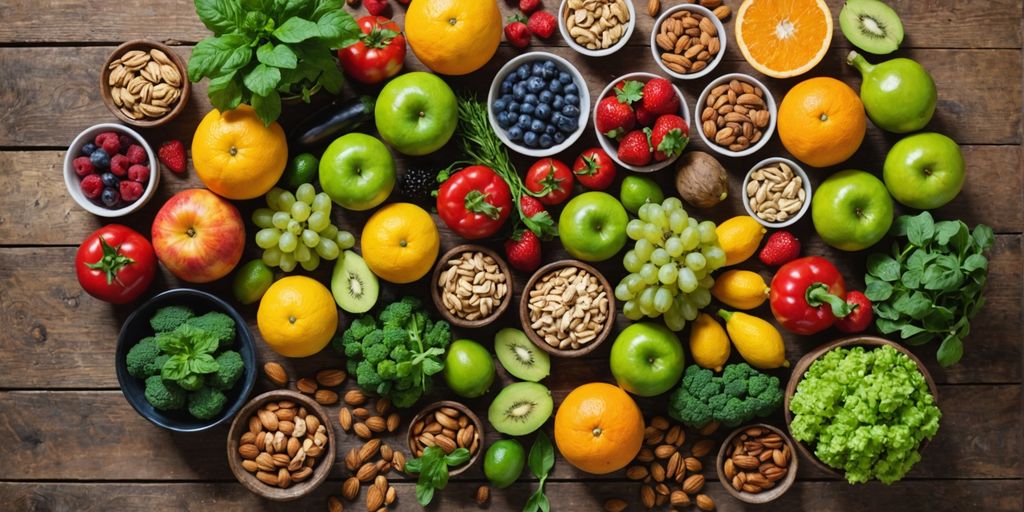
x: 670, y: 264
x: 296, y: 229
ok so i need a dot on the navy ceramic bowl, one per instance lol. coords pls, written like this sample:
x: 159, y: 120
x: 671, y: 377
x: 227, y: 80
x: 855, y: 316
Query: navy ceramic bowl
x: 137, y: 327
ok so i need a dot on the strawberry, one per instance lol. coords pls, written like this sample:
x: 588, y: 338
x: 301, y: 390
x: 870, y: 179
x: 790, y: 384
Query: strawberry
x: 614, y: 118
x: 629, y: 91
x: 523, y: 251
x: 645, y: 117
x: 516, y: 32
x: 376, y: 7
x: 669, y: 137
x: 660, y: 97
x: 781, y: 248
x: 172, y: 154
x: 536, y: 217
x: 528, y: 6
x: 530, y: 206
x: 542, y: 24
x: 635, y: 148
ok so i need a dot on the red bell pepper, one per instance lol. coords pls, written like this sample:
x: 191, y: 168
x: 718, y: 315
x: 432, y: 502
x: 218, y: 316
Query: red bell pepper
x: 808, y: 295
x: 860, y: 318
x: 474, y: 202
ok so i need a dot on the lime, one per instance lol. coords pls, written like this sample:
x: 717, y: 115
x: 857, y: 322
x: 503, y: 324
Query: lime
x: 302, y: 169
x: 503, y: 462
x: 637, y: 190
x: 251, y: 281
x: 468, y: 368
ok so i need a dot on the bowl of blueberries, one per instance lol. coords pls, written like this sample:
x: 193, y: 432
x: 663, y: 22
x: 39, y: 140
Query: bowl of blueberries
x: 110, y: 170
x: 538, y: 104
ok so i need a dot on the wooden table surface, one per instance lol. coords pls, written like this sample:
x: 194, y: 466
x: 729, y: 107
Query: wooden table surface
x: 71, y: 442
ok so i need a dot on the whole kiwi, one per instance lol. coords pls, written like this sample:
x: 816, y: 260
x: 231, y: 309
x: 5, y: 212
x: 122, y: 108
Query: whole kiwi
x: 701, y: 180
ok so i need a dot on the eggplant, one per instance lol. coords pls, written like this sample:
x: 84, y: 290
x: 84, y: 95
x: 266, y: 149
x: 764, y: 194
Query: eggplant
x: 337, y: 118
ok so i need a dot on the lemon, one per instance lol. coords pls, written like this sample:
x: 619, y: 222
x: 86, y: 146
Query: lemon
x: 297, y: 316
x: 709, y: 345
x: 739, y: 237
x: 741, y: 289
x: 757, y: 341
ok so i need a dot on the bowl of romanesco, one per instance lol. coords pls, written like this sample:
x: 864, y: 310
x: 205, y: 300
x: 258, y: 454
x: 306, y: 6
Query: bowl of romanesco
x: 186, y: 360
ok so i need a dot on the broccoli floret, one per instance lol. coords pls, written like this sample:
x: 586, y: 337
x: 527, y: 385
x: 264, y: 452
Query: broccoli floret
x: 439, y: 335
x: 404, y: 398
x: 366, y: 375
x: 230, y: 369
x: 351, y: 365
x: 373, y: 339
x: 401, y: 353
x: 164, y: 395
x: 140, y: 359
x: 206, y: 403
x: 158, y: 363
x: 741, y: 393
x: 191, y: 382
x: 403, y: 369
x: 398, y: 314
x: 375, y: 353
x: 217, y: 324
x: 688, y: 408
x: 169, y: 318
x: 394, y: 337
x: 353, y: 348
x: 387, y: 369
x: 362, y: 326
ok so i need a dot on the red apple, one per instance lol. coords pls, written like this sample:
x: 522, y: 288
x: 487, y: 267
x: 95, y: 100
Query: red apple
x: 198, y: 236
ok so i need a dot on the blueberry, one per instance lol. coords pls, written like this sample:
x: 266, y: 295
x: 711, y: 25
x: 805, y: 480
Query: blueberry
x: 506, y: 119
x: 549, y: 71
x: 568, y: 124
x: 535, y: 84
x: 506, y: 86
x: 537, y: 69
x: 88, y: 148
x: 514, y: 107
x: 564, y: 77
x: 546, y: 141
x: 571, y: 89
x: 571, y: 111
x: 531, y: 98
x: 523, y: 72
x: 546, y: 96
x: 530, y: 139
x: 507, y: 98
x: 499, y: 105
x: 559, y: 138
x: 109, y: 180
x: 572, y: 99
x: 558, y: 102
x: 528, y: 109
x: 524, y: 121
x: 555, y: 86
x: 537, y: 126
x: 110, y: 197
x: 515, y: 134
x: 550, y: 129
x: 519, y: 91
x: 550, y: 64
x: 556, y: 116
x: 542, y: 112
x: 100, y: 159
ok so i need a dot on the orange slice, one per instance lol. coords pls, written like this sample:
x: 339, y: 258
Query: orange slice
x: 783, y: 38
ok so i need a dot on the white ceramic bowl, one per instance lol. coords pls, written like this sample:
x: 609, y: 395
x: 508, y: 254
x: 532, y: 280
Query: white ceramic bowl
x: 806, y: 185
x: 772, y: 109
x: 495, y: 93
x: 611, y: 147
x: 698, y: 9
x: 564, y: 30
x: 72, y: 181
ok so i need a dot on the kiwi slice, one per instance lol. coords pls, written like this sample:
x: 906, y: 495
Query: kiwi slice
x: 354, y: 287
x: 520, y: 357
x: 520, y: 408
x: 871, y: 25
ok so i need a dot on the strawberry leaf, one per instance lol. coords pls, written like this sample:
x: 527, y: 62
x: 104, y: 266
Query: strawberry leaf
x: 631, y: 92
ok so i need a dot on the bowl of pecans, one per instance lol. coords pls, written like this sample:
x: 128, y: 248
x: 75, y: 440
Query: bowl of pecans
x: 472, y: 286
x: 145, y: 83
x: 737, y: 115
x: 756, y: 463
x: 568, y: 308
x: 596, y: 28
x: 777, y: 192
x: 447, y: 425
x: 688, y: 41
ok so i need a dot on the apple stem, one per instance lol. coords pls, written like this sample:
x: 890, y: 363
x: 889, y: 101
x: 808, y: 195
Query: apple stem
x: 857, y: 60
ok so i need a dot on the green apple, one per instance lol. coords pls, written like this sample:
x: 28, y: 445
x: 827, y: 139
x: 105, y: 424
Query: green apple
x: 357, y: 171
x: 924, y: 171
x: 592, y: 226
x: 468, y: 368
x: 851, y: 210
x: 416, y: 113
x: 647, y: 359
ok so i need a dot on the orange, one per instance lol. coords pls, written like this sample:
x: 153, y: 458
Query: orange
x: 400, y: 242
x: 453, y: 37
x: 297, y: 316
x: 599, y: 428
x: 236, y: 155
x: 783, y: 38
x: 822, y: 121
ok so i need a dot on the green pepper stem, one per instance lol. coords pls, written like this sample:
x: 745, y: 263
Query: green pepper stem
x: 726, y: 315
x: 817, y: 295
x: 858, y: 61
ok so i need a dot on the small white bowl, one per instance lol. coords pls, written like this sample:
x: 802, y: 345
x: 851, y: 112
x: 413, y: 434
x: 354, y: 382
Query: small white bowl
x: 72, y: 181
x: 698, y: 9
x: 772, y: 109
x: 495, y: 93
x: 806, y: 185
x: 564, y: 30
x: 610, y: 146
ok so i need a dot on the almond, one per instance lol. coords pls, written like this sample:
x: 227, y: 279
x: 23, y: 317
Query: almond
x: 361, y: 413
x: 250, y: 466
x: 268, y: 419
x: 729, y: 469
x: 247, y: 438
x: 369, y: 449
x: 647, y: 497
x: 659, y: 422
x: 325, y: 397
x: 248, y: 451
x: 376, y: 424
x: 390, y: 496
x: 398, y: 461
x: 693, y: 484
x: 673, y: 434
x: 779, y: 459
x: 745, y: 461
x: 615, y: 505
x: 352, y: 459
x: 275, y: 373
x: 393, y: 421
x: 704, y: 502
x: 665, y: 451
x: 637, y: 473
x: 355, y: 398
x: 330, y: 377
x: 302, y: 473
x: 306, y: 385
x: 362, y: 430
x: 374, y: 498
x: 703, y: 447
x: 679, y: 499
x: 312, y: 423
x: 645, y: 455
x: 294, y: 445
x: 285, y: 414
x: 674, y: 465
x: 285, y: 428
x: 281, y: 460
x: 367, y: 472
x: 657, y: 472
x: 445, y: 443
x: 267, y: 477
x: 653, y: 6
x: 334, y: 505
x: 350, y: 489
x: 692, y: 464
x: 483, y: 494
x: 381, y: 483
x: 345, y: 419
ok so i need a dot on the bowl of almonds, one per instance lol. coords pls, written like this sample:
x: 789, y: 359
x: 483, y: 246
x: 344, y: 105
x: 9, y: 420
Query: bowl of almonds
x: 777, y: 192
x: 596, y: 28
x: 568, y: 308
x: 688, y: 41
x: 281, y: 445
x: 737, y: 115
x: 756, y: 463
x: 448, y: 425
x: 472, y: 286
x: 145, y: 83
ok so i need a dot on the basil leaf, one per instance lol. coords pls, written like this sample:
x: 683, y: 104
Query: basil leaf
x: 457, y: 457
x: 296, y: 30
x: 254, y: 22
x: 279, y: 56
x: 950, y: 352
x: 917, y: 260
x: 899, y: 226
x: 172, y: 343
x: 883, y: 267
x: 542, y: 456
x: 414, y: 466
x: 920, y: 339
x: 945, y: 230
x: 323, y: 7
x: 176, y: 368
x: 911, y: 278
x: 885, y: 310
x: 203, y: 363
x: 886, y: 325
x: 219, y: 55
x: 432, y: 366
x: 225, y: 93
x: 961, y: 241
x: 295, y: 8
x: 921, y: 229
x: 937, y: 277
x: 338, y: 29
x: 878, y: 291
x: 914, y: 305
x: 538, y: 502
x: 909, y: 330
x: 983, y: 236
x: 424, y: 493
x: 262, y: 80
x: 975, y: 262
x: 439, y: 475
x: 220, y: 16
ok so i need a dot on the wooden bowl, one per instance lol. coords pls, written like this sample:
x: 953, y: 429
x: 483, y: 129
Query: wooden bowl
x: 435, y: 288
x: 524, y: 309
x: 765, y: 496
x: 241, y: 424
x: 145, y: 45
x: 429, y: 411
x: 805, y: 362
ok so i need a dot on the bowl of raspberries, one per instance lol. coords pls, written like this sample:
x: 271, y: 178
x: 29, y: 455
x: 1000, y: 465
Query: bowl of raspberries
x: 110, y: 170
x: 642, y: 121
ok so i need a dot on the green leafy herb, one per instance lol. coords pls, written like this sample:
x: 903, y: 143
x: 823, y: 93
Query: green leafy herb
x: 263, y: 50
x: 191, y: 353
x: 540, y: 460
x: 433, y: 470
x: 930, y: 287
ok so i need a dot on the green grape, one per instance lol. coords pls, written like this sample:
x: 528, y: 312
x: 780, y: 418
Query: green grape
x: 272, y: 257
x: 301, y: 253
x: 327, y: 249
x: 657, y: 216
x: 707, y: 232
x: 274, y: 198
x: 643, y: 249
x: 687, y: 282
x: 345, y: 240
x: 295, y: 227
x: 677, y: 221
x: 646, y: 299
x: 692, y: 222
x: 644, y: 212
x: 695, y: 261
x: 632, y: 262
x: 674, y: 319
x: 622, y: 292
x: 632, y: 311
x: 312, y: 263
x: 330, y: 231
x: 305, y: 193
x: 699, y: 274
x: 671, y: 204
x: 706, y: 282
x: 310, y: 238
x: 267, y: 238
x: 662, y: 299
x: 288, y: 242
x: 689, y: 311
x: 653, y: 234
x: 287, y: 262
x: 690, y: 238
x: 701, y: 297
x: 281, y: 220
x: 715, y: 256
x: 322, y: 203
x: 263, y: 217
x: 318, y: 221
x: 668, y: 274
x: 300, y: 211
x: 285, y: 202
x: 634, y: 282
x: 674, y: 246
x: 660, y: 257
x: 649, y: 273
x: 647, y: 310
x: 635, y: 229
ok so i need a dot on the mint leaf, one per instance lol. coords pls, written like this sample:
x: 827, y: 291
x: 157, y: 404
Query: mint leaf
x: 975, y: 262
x: 203, y: 363
x: 921, y: 229
x: 296, y: 30
x: 268, y: 107
x: 338, y: 29
x: 950, y: 352
x: 262, y: 80
x: 176, y: 368
x: 983, y: 236
x: 883, y: 267
x: 225, y: 93
x: 220, y: 16
x: 279, y: 56
x: 878, y: 291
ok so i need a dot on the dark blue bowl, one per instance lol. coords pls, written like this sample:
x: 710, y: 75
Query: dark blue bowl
x: 137, y: 327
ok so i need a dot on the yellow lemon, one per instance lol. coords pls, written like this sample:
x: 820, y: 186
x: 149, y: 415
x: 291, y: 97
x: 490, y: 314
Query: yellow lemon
x: 709, y: 344
x: 297, y: 316
x: 741, y: 289
x: 758, y: 341
x: 739, y: 237
x: 400, y: 243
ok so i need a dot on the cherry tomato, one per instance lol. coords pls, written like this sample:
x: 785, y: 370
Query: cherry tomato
x: 379, y: 53
x: 550, y: 181
x: 115, y: 264
x: 594, y: 169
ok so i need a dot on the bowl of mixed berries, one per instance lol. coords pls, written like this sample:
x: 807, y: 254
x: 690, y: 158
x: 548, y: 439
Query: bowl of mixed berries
x: 110, y: 170
x: 642, y: 122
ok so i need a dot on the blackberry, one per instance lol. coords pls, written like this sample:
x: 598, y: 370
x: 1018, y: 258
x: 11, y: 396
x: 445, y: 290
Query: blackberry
x: 417, y: 184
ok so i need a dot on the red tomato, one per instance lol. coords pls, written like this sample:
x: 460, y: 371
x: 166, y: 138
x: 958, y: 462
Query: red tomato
x: 594, y: 169
x: 115, y: 264
x: 550, y: 181
x: 379, y: 53
x: 474, y: 202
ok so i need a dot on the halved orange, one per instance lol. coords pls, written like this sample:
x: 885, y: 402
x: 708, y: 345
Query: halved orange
x: 783, y: 38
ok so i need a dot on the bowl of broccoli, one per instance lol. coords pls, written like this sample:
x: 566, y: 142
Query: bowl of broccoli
x: 186, y: 360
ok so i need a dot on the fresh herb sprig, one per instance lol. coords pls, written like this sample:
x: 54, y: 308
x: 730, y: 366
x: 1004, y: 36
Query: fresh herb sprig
x: 930, y: 287
x: 191, y: 353
x: 432, y: 467
x: 540, y: 460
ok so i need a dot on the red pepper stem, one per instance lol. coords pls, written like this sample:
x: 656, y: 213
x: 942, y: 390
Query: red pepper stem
x: 818, y: 295
x: 476, y: 202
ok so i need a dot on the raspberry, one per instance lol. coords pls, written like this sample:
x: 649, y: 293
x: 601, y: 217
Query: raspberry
x: 130, y: 190
x: 136, y: 154
x: 125, y: 140
x: 92, y: 185
x: 111, y: 145
x: 83, y: 166
x: 139, y: 173
x: 119, y: 165
x: 105, y: 137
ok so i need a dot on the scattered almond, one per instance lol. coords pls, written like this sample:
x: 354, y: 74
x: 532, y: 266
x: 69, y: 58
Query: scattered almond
x: 355, y: 398
x: 350, y: 489
x: 306, y: 385
x: 483, y: 494
x: 330, y: 377
x: 276, y: 374
x: 615, y: 505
